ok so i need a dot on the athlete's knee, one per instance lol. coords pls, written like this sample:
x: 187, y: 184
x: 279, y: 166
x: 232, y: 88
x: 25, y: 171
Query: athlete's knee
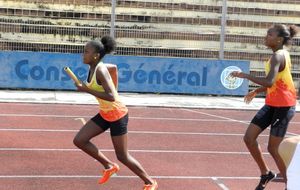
x: 122, y: 156
x: 79, y: 142
x: 249, y: 141
x: 273, y: 150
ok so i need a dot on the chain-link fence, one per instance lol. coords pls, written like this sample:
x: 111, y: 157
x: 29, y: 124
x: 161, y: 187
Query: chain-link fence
x: 210, y: 29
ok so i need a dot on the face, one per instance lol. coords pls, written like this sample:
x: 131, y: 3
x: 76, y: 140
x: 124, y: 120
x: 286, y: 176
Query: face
x: 89, y: 54
x: 272, y: 40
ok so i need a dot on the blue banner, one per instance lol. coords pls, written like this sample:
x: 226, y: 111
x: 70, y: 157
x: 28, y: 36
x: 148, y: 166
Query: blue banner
x: 180, y: 75
x: 37, y: 70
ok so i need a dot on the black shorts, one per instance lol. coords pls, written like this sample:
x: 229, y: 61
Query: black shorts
x: 117, y: 128
x: 277, y: 117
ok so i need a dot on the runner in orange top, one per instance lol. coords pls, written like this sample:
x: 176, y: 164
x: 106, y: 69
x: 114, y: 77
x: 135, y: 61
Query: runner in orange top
x: 280, y: 101
x: 112, y: 115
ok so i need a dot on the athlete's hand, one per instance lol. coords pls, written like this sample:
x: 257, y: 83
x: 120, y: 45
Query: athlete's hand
x: 249, y: 97
x: 238, y: 74
x: 81, y: 87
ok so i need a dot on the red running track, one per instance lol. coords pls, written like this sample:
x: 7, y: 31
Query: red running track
x: 184, y: 149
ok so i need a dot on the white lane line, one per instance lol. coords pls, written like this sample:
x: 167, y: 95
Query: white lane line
x: 38, y: 130
x: 83, y: 121
x: 221, y: 119
x: 219, y: 183
x: 42, y: 115
x: 132, y: 132
x: 138, y: 151
x: 231, y: 119
x: 89, y: 116
x: 216, y: 116
x: 121, y: 176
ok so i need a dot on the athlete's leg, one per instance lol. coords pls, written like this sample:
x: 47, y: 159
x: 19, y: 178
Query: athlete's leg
x: 273, y: 146
x: 120, y: 145
x: 281, y: 118
x: 250, y: 139
x: 82, y: 141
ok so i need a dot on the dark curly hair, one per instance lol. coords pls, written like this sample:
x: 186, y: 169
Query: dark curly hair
x: 286, y: 32
x: 106, y: 45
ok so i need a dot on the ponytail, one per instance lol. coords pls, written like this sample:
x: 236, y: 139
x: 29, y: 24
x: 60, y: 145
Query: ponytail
x: 287, y: 33
x: 109, y: 44
x: 105, y: 46
x: 293, y: 30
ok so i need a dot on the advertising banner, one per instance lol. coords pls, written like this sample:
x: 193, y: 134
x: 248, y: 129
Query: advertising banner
x: 37, y: 70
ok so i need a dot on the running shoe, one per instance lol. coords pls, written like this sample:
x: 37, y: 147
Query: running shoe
x: 264, y: 179
x: 109, y: 172
x: 152, y: 186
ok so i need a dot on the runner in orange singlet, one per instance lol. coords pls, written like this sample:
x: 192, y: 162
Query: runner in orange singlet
x: 280, y: 101
x: 112, y: 115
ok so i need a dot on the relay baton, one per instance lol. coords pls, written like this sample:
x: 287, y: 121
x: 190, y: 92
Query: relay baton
x: 72, y: 75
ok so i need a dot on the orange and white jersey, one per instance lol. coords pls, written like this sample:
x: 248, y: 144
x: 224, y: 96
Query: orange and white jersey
x: 110, y: 111
x: 283, y: 92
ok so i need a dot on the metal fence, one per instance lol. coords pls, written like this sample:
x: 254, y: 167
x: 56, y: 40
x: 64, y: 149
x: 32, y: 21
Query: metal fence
x: 210, y: 29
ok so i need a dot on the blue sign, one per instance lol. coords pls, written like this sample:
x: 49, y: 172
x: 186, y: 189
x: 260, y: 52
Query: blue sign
x: 179, y: 75
x: 36, y: 70
x: 39, y: 70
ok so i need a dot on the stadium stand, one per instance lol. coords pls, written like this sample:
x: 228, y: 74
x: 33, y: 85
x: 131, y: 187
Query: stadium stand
x: 169, y: 28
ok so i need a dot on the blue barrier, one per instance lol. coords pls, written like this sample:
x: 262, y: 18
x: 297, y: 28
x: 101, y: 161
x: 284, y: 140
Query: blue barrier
x: 38, y: 70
